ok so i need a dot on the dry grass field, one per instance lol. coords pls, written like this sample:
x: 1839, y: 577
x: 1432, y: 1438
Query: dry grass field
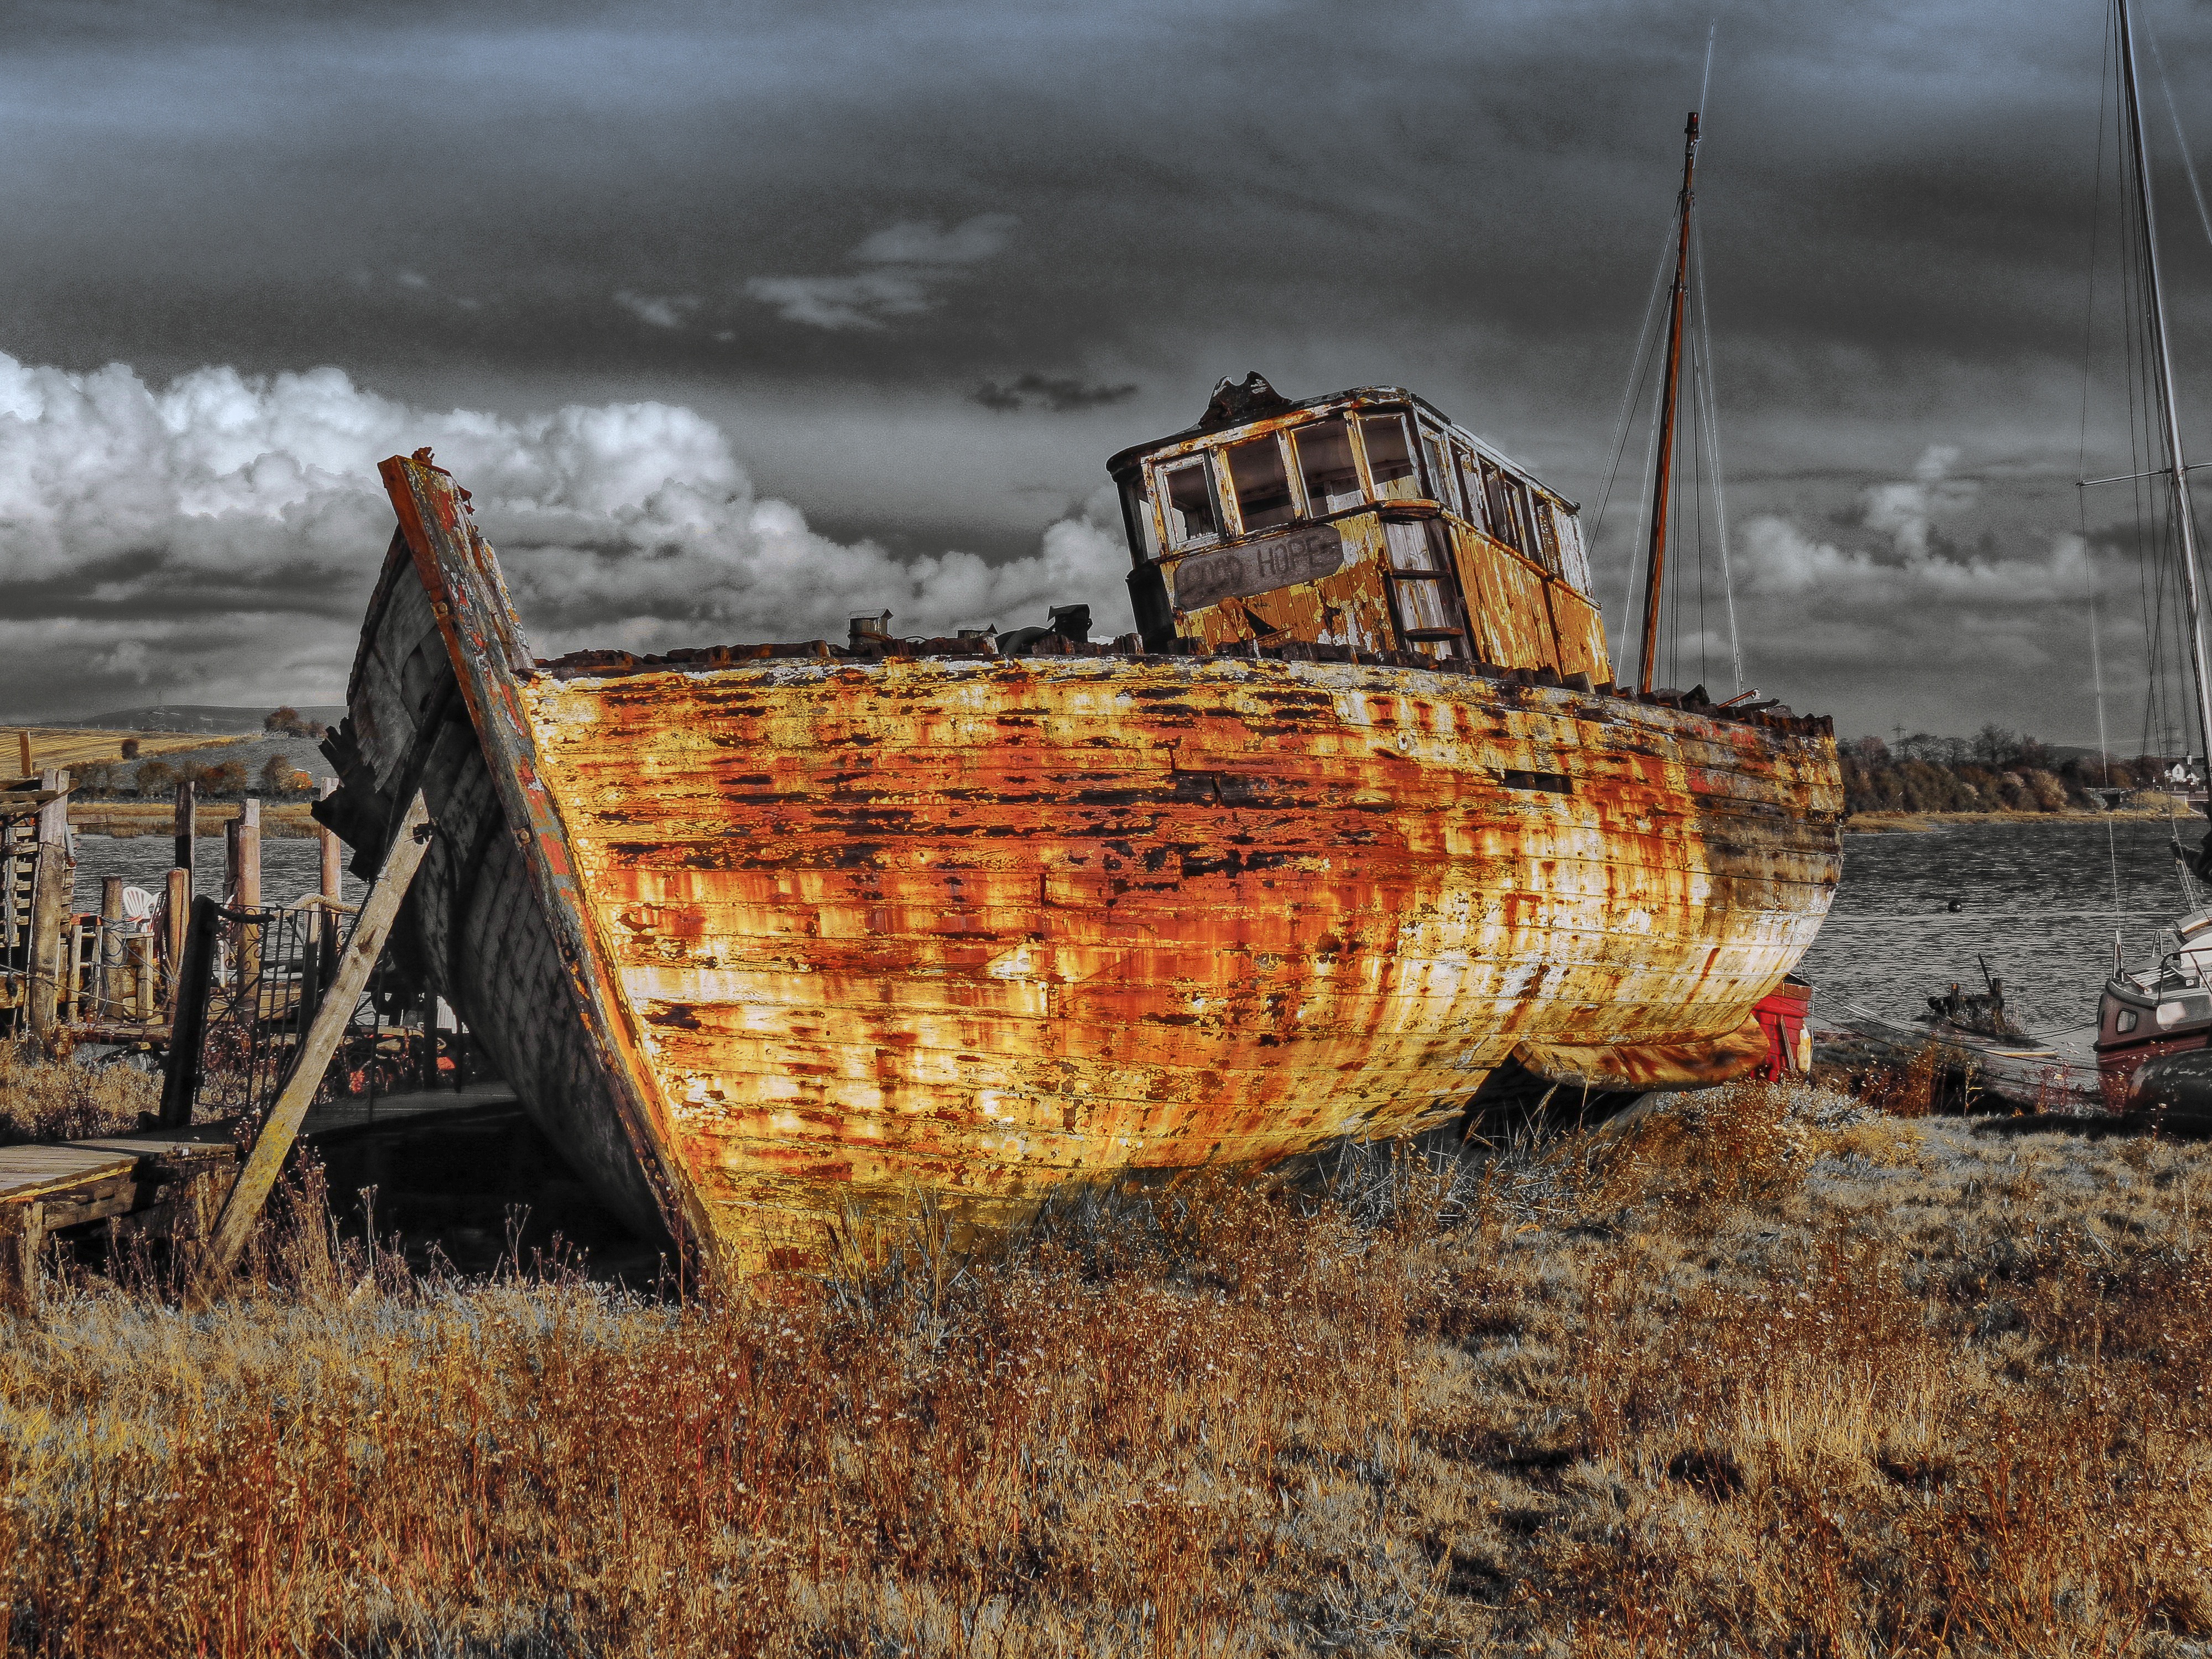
x: 280, y: 820
x: 64, y: 745
x: 1768, y: 1372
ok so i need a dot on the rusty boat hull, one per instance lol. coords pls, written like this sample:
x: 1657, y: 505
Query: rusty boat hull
x: 763, y: 942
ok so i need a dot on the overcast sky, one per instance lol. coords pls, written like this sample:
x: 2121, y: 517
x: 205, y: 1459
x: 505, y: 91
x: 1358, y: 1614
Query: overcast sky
x: 737, y: 318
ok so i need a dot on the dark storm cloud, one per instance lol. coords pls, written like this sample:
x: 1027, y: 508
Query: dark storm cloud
x: 824, y: 227
x: 1046, y: 391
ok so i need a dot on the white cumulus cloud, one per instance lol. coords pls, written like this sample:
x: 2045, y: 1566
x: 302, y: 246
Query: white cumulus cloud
x: 168, y: 528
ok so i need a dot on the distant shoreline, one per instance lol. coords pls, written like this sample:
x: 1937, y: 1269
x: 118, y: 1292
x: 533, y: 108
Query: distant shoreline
x: 1911, y: 824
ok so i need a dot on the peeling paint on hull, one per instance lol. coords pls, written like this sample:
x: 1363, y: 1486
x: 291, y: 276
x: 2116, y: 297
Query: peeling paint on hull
x: 972, y: 929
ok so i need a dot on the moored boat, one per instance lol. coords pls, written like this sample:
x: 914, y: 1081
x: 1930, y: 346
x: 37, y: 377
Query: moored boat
x: 2150, y: 1020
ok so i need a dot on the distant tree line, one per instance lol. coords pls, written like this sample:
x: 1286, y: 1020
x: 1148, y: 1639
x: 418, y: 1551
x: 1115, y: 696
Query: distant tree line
x: 157, y: 780
x: 1993, y: 771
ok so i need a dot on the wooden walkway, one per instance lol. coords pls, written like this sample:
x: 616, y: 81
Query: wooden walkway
x: 169, y: 1183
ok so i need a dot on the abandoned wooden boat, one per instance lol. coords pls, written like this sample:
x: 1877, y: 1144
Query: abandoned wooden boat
x: 1353, y: 823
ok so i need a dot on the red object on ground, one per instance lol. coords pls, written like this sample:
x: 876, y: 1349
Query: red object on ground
x: 1782, y: 1015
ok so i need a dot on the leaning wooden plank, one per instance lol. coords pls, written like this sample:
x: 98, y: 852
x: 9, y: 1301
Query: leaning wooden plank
x: 305, y: 1076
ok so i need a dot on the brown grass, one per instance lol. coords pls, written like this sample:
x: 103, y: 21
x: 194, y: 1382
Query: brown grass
x: 1766, y: 1373
x: 280, y: 820
x: 41, y: 1101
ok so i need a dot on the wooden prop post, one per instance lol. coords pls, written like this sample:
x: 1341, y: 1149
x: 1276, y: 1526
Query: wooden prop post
x: 23, y: 744
x: 282, y: 1128
x: 248, y: 894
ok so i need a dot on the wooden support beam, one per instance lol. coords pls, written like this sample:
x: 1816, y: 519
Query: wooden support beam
x: 24, y: 739
x: 282, y: 1128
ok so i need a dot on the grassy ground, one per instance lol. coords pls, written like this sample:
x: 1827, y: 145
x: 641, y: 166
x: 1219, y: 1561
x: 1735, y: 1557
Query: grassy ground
x: 1767, y: 1373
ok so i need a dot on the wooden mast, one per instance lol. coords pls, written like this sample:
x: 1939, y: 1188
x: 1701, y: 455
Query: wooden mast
x: 2176, y: 469
x: 1656, y: 566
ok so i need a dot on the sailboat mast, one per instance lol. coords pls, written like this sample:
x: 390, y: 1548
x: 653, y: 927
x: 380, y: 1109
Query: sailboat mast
x: 1656, y: 568
x: 2176, y: 468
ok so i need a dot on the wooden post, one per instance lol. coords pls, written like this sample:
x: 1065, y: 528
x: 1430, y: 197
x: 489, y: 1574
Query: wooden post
x: 142, y: 982
x: 187, y: 823
x: 19, y: 1258
x: 323, y: 928
x: 249, y: 888
x: 50, y: 903
x: 108, y: 983
x: 174, y: 920
x: 53, y: 816
x: 195, y: 976
x: 281, y: 1126
x: 23, y: 742
x: 332, y: 870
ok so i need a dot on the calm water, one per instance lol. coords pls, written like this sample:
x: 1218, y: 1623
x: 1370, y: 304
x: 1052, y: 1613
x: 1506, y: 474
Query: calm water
x: 2037, y: 899
x: 289, y: 869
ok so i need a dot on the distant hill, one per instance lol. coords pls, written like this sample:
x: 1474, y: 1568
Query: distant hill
x: 197, y: 717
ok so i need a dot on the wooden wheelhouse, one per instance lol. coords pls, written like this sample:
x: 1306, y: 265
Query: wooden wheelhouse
x: 1364, y: 520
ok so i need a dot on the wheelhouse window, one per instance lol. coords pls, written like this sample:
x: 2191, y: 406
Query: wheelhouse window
x: 1187, y: 487
x: 1574, y: 558
x: 1547, y: 535
x: 1325, y: 468
x: 1434, y: 452
x: 1509, y: 517
x: 1262, y: 483
x: 1137, y: 512
x: 1470, y: 478
x: 1389, y: 461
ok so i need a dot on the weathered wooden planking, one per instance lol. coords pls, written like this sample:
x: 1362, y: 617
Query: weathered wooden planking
x: 490, y: 658
x: 30, y: 1172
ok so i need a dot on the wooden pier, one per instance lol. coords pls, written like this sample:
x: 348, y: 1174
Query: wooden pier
x: 169, y: 1184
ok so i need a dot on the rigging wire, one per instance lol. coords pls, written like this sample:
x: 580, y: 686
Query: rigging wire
x: 2180, y: 138
x: 1713, y: 435
x: 1630, y: 400
x: 2104, y: 755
